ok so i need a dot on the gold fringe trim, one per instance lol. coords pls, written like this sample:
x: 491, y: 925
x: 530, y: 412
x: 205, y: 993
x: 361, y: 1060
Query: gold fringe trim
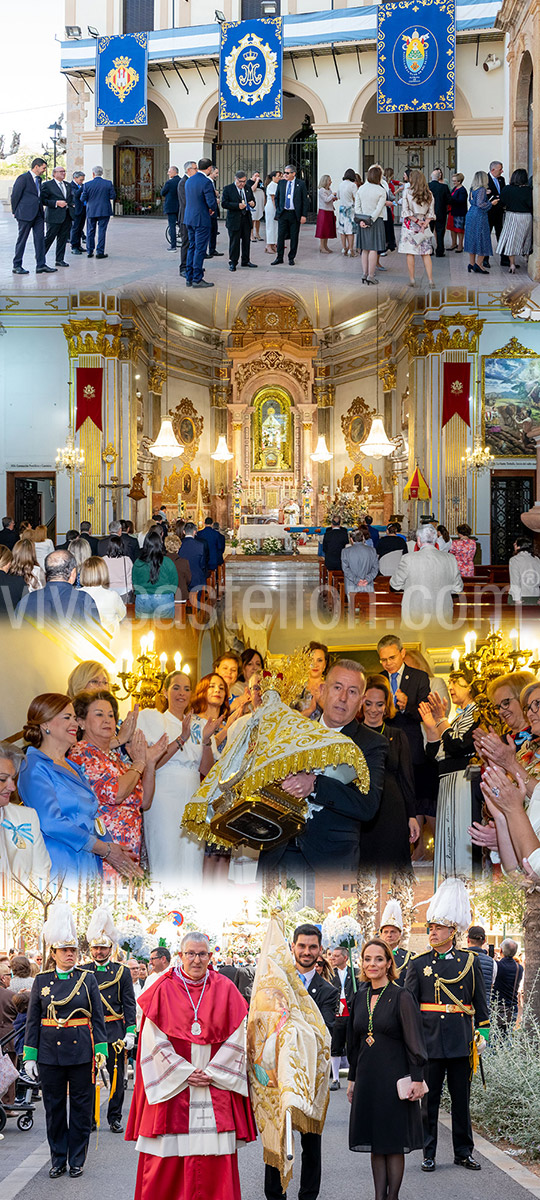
x: 292, y: 764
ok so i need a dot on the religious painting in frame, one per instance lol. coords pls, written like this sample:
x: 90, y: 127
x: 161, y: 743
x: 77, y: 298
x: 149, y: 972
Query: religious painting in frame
x: 272, y: 430
x: 146, y: 175
x: 511, y: 400
x: 356, y: 424
x: 188, y: 427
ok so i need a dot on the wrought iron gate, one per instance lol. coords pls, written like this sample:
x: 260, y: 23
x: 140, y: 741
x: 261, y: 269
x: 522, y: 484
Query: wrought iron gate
x: 423, y: 154
x: 264, y: 157
x: 510, y: 497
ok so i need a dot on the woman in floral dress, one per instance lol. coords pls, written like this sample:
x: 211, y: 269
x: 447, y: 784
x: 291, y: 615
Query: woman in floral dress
x: 124, y: 789
x: 416, y: 237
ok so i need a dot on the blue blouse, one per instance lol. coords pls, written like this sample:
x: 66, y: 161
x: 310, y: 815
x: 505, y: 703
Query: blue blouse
x: 67, y: 808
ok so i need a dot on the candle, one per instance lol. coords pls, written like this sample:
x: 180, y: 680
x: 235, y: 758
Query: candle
x: 130, y: 663
x: 186, y: 669
x: 474, y: 638
x: 467, y: 639
x: 143, y: 645
x: 150, y: 640
x: 177, y: 661
x: 124, y: 667
x: 455, y: 659
x: 514, y: 639
x: 163, y: 661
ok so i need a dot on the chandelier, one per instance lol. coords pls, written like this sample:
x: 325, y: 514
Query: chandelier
x: 142, y: 678
x: 222, y: 453
x: 479, y: 458
x: 69, y: 458
x: 377, y: 444
x: 321, y: 453
x: 166, y: 445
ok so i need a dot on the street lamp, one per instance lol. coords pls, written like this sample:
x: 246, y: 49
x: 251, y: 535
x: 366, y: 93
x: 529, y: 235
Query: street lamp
x: 56, y: 135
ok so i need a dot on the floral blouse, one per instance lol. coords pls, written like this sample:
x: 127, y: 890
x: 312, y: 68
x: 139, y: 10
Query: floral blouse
x: 464, y: 550
x: 103, y: 771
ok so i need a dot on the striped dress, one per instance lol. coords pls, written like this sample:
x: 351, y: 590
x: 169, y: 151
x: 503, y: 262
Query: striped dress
x: 453, y: 846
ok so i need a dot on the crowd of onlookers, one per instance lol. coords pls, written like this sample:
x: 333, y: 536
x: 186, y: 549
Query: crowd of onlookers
x: 96, y: 578
x: 363, y: 215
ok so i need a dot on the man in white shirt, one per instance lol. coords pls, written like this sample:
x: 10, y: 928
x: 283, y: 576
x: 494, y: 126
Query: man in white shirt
x: 428, y: 580
x: 524, y: 570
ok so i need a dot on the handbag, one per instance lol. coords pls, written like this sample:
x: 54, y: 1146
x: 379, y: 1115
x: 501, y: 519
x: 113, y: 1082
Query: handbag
x: 8, y: 1073
x: 404, y: 1086
x: 361, y: 217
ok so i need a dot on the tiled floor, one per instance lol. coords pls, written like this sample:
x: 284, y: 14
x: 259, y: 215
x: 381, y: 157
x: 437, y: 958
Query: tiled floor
x: 138, y: 255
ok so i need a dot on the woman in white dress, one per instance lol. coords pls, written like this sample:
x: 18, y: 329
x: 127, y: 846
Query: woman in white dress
x: 42, y: 544
x: 257, y: 212
x: 272, y: 181
x: 175, y: 859
x: 24, y: 562
x: 95, y: 580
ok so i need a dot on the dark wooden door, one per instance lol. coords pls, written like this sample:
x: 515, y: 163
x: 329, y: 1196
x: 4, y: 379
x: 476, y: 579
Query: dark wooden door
x: 511, y: 495
x: 27, y: 502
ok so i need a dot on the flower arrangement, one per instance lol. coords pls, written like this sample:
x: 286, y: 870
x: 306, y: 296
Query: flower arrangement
x: 232, y: 537
x: 248, y: 546
x: 307, y: 486
x: 237, y: 486
x: 272, y: 545
x: 134, y: 940
x: 344, y: 508
x: 341, y: 931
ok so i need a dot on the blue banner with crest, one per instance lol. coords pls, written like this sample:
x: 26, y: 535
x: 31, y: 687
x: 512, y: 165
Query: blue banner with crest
x: 121, y: 79
x: 416, y: 56
x: 251, y: 70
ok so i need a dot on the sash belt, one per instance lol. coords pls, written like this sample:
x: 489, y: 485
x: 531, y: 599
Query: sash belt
x: 466, y: 1010
x: 68, y: 1022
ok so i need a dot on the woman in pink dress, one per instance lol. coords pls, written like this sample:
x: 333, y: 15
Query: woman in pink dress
x: 464, y: 550
x: 124, y: 789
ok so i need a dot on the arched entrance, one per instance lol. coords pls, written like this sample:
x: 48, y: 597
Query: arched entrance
x: 420, y: 140
x: 523, y: 119
x: 267, y: 146
x: 140, y: 166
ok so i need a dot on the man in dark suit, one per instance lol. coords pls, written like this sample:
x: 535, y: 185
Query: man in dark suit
x: 238, y: 200
x: 98, y: 196
x: 222, y: 542
x: 130, y: 541
x: 213, y: 252
x: 130, y: 545
x: 59, y: 601
x: 306, y: 947
x: 8, y: 536
x: 441, y: 197
x: 410, y: 687
x: 27, y: 208
x: 169, y: 192
x: 334, y: 541
x: 496, y: 181
x: 196, y: 553
x: 190, y: 168
x: 211, y: 540
x: 330, y: 838
x: 86, y: 533
x: 200, y: 204
x: 291, y: 212
x: 59, y: 207
x: 343, y: 981
x: 79, y: 212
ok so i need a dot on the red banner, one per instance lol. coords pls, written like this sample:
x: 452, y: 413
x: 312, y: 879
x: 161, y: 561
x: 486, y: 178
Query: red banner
x: 89, y: 390
x: 456, y: 391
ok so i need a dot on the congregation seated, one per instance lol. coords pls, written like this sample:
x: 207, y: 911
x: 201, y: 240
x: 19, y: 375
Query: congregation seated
x: 359, y: 563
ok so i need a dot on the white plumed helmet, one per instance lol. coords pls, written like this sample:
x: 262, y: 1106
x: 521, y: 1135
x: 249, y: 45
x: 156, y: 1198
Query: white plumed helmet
x: 59, y: 929
x: 392, y: 915
x: 101, y: 930
x: 450, y: 905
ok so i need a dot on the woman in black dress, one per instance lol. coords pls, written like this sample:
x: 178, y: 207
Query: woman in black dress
x: 385, y: 1042
x: 387, y: 838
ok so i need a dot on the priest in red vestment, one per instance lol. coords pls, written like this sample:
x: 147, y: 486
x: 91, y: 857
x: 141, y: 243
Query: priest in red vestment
x: 191, y: 1107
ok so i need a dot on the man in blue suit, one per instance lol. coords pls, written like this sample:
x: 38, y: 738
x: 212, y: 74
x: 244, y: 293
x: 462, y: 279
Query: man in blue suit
x: 170, y: 203
x: 200, y: 204
x: 212, y: 541
x: 197, y: 556
x: 27, y: 208
x: 98, y: 196
x: 79, y: 212
x: 59, y: 601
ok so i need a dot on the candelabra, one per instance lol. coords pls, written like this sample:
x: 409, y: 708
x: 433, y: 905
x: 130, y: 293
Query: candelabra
x: 69, y: 458
x: 486, y: 662
x: 479, y: 458
x: 141, y: 678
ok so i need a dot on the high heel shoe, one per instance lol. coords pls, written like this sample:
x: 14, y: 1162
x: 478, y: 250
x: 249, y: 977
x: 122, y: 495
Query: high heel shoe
x: 364, y: 278
x: 476, y: 269
x: 511, y: 270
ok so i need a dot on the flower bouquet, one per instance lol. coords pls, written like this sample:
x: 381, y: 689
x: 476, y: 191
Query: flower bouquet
x: 272, y: 545
x: 248, y: 546
x: 345, y: 932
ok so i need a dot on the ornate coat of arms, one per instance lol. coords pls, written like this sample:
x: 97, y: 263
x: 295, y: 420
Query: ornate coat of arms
x: 122, y: 78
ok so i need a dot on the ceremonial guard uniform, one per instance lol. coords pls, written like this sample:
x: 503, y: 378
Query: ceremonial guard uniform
x: 119, y: 1007
x: 449, y: 987
x: 343, y: 981
x: 64, y: 1037
x: 391, y: 931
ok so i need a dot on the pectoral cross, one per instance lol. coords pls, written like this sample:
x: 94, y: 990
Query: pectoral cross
x: 114, y: 486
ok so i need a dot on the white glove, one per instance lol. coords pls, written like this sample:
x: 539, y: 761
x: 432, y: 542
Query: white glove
x: 129, y: 1041
x: 31, y: 1068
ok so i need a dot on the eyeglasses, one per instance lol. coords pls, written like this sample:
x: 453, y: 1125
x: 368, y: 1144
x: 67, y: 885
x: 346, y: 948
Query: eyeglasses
x: 534, y: 706
x: 505, y: 704
x: 196, y: 953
